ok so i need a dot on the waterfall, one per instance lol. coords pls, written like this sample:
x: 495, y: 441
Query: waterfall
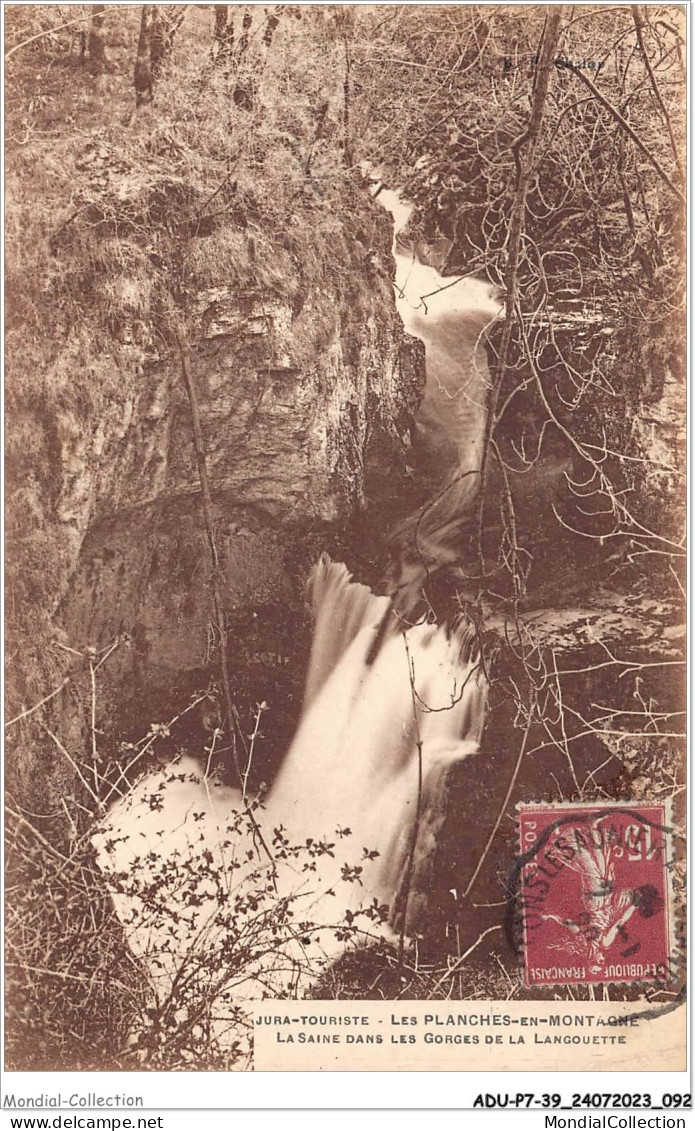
x: 351, y: 818
x: 234, y: 898
x: 452, y: 316
x: 370, y: 730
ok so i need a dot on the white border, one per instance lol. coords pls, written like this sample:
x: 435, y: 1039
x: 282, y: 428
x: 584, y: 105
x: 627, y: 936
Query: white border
x: 221, y: 1092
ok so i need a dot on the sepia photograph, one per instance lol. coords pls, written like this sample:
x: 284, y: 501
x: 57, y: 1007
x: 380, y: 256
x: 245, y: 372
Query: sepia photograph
x: 345, y: 551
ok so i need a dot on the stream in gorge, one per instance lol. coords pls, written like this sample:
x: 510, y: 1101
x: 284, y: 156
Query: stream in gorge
x: 351, y: 818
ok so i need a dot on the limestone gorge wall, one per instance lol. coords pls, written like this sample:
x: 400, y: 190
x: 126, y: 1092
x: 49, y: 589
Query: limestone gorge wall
x: 305, y: 404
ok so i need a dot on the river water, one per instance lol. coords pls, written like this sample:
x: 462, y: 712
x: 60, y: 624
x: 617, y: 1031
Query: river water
x: 234, y: 897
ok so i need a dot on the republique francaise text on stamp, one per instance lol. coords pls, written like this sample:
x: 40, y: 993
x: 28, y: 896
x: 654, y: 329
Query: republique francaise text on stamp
x: 594, y: 893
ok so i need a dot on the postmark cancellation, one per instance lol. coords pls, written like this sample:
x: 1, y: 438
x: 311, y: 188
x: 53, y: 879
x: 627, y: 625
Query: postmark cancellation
x: 593, y: 893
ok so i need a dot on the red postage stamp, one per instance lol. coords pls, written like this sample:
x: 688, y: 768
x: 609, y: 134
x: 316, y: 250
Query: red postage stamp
x: 594, y: 893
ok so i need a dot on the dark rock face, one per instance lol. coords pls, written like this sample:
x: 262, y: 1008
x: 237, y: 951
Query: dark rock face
x: 305, y: 411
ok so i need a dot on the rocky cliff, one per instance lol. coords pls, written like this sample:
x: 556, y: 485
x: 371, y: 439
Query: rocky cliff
x: 305, y: 396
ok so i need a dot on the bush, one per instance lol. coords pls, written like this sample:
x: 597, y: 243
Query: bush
x: 137, y: 943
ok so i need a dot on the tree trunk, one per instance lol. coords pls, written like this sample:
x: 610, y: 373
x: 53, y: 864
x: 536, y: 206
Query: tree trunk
x: 347, y: 148
x: 524, y: 150
x: 245, y: 28
x: 223, y: 35
x: 166, y: 21
x: 143, y: 73
x: 271, y: 24
x: 96, y: 46
x: 243, y: 93
x: 158, y: 26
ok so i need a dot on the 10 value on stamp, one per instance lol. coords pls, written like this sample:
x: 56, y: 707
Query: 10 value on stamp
x: 593, y: 894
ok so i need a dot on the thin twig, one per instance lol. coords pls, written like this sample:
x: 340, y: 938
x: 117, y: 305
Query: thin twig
x: 93, y: 724
x: 42, y: 34
x: 503, y: 808
x: 74, y: 765
x: 628, y: 130
x: 459, y: 961
x: 220, y: 623
x: 35, y: 833
x: 418, y: 805
x: 639, y: 14
x: 30, y: 710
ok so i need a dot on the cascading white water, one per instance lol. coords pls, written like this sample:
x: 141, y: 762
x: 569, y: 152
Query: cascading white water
x: 451, y: 315
x: 352, y: 817
x: 368, y: 727
x: 375, y: 739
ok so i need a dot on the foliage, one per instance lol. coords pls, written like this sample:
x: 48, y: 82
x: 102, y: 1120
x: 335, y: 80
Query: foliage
x: 244, y: 169
x: 132, y: 945
x: 73, y: 988
x: 597, y: 322
x: 577, y: 493
x: 119, y: 218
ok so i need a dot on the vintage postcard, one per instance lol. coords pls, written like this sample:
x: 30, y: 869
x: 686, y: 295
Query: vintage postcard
x: 345, y: 721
